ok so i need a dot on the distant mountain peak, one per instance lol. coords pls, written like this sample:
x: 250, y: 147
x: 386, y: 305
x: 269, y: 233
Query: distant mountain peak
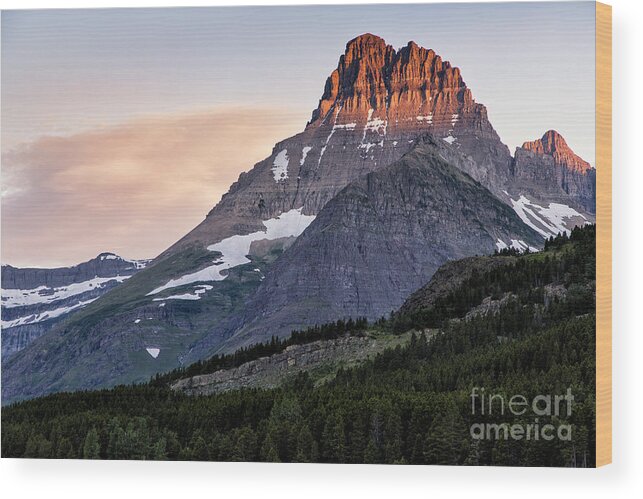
x: 553, y: 144
x: 139, y: 264
x: 109, y: 256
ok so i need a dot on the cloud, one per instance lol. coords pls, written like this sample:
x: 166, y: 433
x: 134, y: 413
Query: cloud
x: 133, y: 188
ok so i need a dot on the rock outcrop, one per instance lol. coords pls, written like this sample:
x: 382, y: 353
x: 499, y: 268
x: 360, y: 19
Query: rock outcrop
x: 268, y: 372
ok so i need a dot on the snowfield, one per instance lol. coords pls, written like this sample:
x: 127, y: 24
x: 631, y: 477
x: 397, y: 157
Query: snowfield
x: 198, y: 291
x: 184, y: 296
x: 547, y: 221
x: 46, y: 315
x: 43, y: 294
x: 234, y: 249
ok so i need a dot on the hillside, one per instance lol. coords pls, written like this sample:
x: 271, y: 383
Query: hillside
x: 525, y: 326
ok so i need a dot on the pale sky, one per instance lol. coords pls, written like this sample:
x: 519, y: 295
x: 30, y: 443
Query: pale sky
x: 121, y: 128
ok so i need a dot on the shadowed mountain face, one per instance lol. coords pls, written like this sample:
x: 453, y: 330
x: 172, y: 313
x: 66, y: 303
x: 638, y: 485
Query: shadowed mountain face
x: 372, y: 245
x: 375, y: 106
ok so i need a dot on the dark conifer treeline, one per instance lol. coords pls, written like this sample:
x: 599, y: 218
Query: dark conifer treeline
x: 409, y: 404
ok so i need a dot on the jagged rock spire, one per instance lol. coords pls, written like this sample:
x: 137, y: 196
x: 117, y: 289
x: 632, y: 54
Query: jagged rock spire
x: 409, y: 87
x: 553, y: 144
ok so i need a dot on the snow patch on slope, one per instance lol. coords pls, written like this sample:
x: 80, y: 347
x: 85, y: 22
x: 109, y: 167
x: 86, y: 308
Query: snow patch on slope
x: 376, y: 125
x: 428, y: 119
x: 44, y: 294
x: 46, y: 315
x: 547, y: 221
x: 234, y: 249
x: 184, y: 296
x: 330, y: 135
x: 196, y: 295
x: 520, y: 245
x: 304, y: 153
x: 138, y: 264
x: 345, y: 126
x: 280, y: 166
x: 517, y: 244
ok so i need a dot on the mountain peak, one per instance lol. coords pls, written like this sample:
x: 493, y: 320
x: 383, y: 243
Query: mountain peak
x: 553, y: 144
x: 364, y: 40
x: 409, y: 87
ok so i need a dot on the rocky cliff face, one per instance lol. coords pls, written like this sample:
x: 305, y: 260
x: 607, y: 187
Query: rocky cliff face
x: 35, y: 299
x: 104, y: 265
x: 548, y: 171
x: 554, y: 145
x: 268, y: 372
x: 395, y: 96
x: 377, y: 241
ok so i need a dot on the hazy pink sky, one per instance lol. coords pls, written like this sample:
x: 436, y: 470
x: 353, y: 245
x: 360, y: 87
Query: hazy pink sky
x: 121, y: 128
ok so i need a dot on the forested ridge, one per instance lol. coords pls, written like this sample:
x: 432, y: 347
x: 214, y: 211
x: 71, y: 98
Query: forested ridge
x: 410, y: 404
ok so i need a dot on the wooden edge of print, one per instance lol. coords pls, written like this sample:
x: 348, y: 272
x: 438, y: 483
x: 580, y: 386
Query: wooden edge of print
x: 604, y: 234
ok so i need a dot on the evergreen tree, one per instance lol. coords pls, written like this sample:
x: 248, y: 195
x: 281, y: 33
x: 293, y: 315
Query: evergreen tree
x: 117, y: 447
x: 199, y: 448
x: 65, y: 450
x: 91, y: 447
x: 269, y: 452
x: 245, y: 449
x: 333, y: 439
x: 159, y: 452
x: 307, y: 448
